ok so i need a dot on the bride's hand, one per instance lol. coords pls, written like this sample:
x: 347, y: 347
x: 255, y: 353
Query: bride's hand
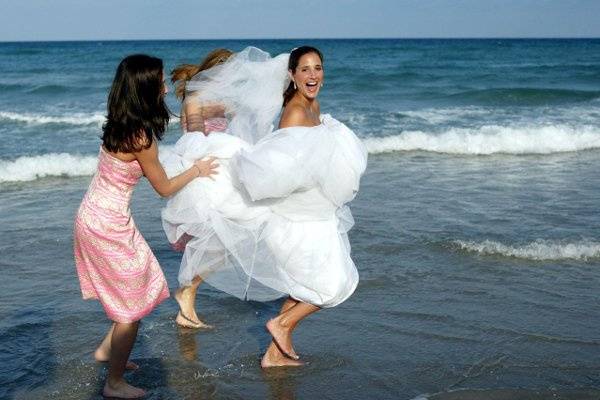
x: 206, y: 167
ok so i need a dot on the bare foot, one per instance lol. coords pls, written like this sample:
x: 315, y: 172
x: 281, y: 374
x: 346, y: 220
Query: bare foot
x: 122, y: 390
x: 187, y: 316
x: 282, y: 338
x: 103, y: 355
x: 185, y: 322
x: 274, y: 358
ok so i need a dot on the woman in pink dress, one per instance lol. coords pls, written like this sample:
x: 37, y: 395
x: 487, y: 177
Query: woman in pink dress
x: 114, y: 263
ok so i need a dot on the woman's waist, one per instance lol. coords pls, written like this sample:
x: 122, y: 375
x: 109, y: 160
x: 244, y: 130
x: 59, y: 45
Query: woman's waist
x: 99, y: 199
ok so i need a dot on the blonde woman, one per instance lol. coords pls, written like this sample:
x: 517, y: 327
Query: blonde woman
x: 211, y: 222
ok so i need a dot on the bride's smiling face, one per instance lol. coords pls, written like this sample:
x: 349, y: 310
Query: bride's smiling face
x: 309, y: 75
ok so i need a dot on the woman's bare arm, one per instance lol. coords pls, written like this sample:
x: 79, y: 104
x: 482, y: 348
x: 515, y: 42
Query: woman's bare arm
x: 156, y: 175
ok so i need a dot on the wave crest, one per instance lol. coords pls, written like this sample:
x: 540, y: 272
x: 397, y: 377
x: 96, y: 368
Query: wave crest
x: 40, y: 119
x: 539, y: 250
x: 491, y: 139
x: 29, y: 168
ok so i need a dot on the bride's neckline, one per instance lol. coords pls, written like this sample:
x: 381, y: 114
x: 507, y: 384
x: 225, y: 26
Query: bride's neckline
x: 302, y: 126
x: 321, y: 119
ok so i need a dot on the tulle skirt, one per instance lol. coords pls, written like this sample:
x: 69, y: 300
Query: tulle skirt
x: 311, y: 261
x: 307, y: 174
x: 213, y: 222
x: 274, y: 220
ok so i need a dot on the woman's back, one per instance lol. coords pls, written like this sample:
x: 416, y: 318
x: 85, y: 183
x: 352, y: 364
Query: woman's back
x: 202, y: 118
x: 115, y: 178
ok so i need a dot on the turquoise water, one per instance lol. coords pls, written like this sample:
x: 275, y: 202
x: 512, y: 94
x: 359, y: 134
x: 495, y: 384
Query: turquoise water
x: 476, y: 237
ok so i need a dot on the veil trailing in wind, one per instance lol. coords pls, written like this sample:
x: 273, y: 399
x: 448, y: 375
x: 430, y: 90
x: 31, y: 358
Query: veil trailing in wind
x: 212, y: 221
x: 249, y: 86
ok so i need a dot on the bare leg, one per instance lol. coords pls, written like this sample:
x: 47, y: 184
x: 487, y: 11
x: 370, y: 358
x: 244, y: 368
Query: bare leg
x: 186, y: 298
x: 122, y: 340
x: 102, y: 353
x: 287, y: 304
x: 282, y: 326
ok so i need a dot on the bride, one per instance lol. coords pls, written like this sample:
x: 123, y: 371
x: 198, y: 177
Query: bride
x: 309, y: 169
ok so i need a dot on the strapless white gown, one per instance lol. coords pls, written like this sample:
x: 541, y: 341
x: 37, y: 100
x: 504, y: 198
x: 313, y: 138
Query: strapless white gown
x: 305, y: 175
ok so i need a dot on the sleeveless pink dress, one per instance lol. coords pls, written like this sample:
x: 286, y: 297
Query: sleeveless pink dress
x: 215, y: 124
x: 114, y: 263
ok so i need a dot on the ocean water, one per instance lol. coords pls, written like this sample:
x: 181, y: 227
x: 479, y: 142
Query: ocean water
x: 477, y: 233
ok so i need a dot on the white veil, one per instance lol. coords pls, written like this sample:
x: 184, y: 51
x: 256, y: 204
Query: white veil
x: 250, y: 86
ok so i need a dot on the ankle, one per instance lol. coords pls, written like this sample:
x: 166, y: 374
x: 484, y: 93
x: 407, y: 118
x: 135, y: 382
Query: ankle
x: 284, y: 322
x: 273, y: 353
x: 102, y: 353
x: 114, y: 382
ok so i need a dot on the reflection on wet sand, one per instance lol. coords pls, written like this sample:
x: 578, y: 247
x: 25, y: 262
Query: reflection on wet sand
x: 188, y: 345
x: 281, y: 383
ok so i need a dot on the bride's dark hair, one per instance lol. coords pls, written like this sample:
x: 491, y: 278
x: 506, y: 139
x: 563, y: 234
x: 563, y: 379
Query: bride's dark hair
x: 295, y: 56
x: 137, y: 113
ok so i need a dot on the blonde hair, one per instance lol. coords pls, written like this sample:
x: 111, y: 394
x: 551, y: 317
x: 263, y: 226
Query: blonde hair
x: 185, y: 72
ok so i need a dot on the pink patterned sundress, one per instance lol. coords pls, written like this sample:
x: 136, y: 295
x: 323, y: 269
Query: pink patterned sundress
x: 114, y: 263
x: 215, y: 124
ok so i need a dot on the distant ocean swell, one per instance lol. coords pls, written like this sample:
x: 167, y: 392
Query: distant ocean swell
x: 491, y: 139
x: 524, y: 96
x: 539, y: 250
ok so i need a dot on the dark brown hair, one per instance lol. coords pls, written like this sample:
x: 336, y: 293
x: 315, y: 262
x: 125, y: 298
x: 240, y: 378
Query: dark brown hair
x: 295, y: 56
x: 185, y: 72
x: 137, y: 113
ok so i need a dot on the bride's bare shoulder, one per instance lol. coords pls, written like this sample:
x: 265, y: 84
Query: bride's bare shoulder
x: 293, y: 115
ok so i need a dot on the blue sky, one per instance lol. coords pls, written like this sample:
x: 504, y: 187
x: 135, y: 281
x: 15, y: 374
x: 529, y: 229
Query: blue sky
x: 199, y: 19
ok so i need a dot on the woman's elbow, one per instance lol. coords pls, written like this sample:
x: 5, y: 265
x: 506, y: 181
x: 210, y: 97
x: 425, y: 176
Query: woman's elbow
x: 164, y: 191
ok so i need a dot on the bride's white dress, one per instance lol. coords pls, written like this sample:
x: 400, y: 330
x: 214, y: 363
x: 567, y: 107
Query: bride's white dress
x: 212, y: 221
x: 274, y: 221
x: 309, y: 174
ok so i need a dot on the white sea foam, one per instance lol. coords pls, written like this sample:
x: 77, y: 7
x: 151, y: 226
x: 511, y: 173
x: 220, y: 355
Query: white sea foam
x: 445, y: 115
x: 29, y: 168
x: 42, y: 119
x: 537, y: 250
x: 492, y: 139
